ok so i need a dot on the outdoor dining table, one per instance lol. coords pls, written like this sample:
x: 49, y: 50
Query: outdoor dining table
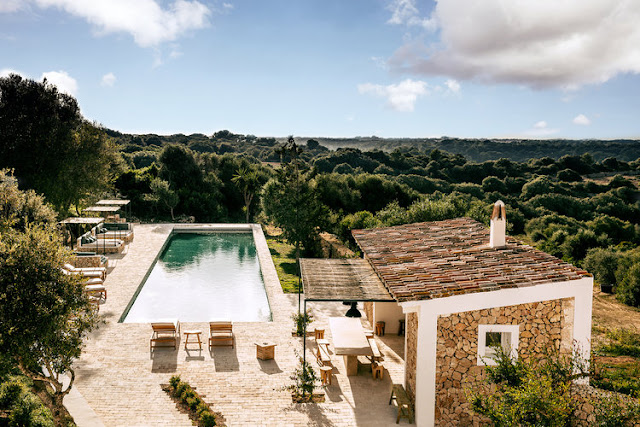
x: 349, y: 341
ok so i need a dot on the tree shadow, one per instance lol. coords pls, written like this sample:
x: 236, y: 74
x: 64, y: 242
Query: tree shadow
x: 314, y: 412
x: 289, y: 268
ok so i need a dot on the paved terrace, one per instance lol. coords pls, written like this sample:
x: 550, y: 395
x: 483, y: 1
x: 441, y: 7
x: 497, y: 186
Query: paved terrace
x: 120, y: 379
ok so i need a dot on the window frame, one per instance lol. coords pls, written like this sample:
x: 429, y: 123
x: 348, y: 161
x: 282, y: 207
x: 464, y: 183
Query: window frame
x: 510, y: 337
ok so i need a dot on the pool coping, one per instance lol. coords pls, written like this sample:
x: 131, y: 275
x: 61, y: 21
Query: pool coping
x: 267, y: 267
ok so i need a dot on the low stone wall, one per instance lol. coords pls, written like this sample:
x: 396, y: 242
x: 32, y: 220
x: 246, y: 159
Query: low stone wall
x: 585, y: 396
x: 543, y: 325
x: 86, y: 261
x: 411, y: 332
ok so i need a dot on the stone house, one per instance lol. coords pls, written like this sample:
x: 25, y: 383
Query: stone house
x: 461, y: 289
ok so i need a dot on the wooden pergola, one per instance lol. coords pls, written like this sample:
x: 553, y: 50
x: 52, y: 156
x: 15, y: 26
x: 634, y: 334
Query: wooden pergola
x: 352, y: 279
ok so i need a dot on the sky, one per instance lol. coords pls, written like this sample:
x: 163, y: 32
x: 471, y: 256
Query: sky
x: 337, y: 68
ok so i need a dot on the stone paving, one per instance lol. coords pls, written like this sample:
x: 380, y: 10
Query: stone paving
x: 120, y: 378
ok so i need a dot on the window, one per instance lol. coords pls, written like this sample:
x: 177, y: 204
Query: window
x: 492, y: 336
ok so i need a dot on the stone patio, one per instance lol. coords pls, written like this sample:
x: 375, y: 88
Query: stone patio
x: 120, y: 378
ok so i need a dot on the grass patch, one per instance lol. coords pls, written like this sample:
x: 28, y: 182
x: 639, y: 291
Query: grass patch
x: 284, y: 258
x: 618, y: 363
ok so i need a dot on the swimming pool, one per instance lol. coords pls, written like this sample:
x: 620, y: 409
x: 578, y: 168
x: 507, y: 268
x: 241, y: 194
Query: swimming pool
x: 203, y: 276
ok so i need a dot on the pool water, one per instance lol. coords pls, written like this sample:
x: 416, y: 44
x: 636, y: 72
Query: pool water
x: 201, y: 277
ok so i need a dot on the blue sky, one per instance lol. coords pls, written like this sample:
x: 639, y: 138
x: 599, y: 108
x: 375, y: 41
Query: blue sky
x: 391, y: 68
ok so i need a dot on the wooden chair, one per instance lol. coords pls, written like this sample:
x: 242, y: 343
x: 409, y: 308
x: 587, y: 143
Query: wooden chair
x: 319, y: 334
x: 325, y: 375
x: 168, y: 331
x: 323, y: 353
x: 377, y: 370
x: 221, y: 331
x: 405, y: 408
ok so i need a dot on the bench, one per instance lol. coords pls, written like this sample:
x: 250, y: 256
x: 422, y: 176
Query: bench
x: 323, y: 352
x: 377, y: 356
x: 405, y: 408
x: 165, y: 332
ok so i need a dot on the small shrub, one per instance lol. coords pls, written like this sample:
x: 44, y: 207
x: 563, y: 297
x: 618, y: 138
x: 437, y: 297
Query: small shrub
x: 301, y: 320
x: 207, y: 419
x: 202, y: 408
x: 187, y: 393
x: 193, y: 402
x: 10, y: 392
x: 174, y: 381
x: 180, y: 389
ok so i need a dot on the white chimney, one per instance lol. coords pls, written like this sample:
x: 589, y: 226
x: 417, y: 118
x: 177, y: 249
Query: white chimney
x: 497, y: 235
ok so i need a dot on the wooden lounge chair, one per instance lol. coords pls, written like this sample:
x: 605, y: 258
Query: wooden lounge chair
x: 168, y: 331
x: 221, y: 331
x: 100, y: 272
x: 323, y: 353
x: 96, y: 290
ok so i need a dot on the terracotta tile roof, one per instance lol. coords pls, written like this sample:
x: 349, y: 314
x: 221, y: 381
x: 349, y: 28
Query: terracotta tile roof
x: 443, y: 258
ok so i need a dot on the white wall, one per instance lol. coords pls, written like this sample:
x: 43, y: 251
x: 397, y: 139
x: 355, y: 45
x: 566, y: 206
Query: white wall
x: 389, y: 313
x: 428, y: 311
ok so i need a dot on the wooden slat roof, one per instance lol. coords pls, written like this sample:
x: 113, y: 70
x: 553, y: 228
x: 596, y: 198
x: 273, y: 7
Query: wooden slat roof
x: 82, y: 220
x: 341, y: 280
x: 102, y: 209
x: 113, y: 202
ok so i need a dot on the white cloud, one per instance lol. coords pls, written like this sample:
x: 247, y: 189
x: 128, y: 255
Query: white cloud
x: 227, y: 6
x: 62, y: 80
x: 146, y: 20
x: 401, y: 96
x: 6, y: 71
x: 453, y: 86
x: 540, y: 125
x: 108, y: 79
x: 543, y: 43
x: 582, y: 120
x: 8, y: 6
x: 405, y: 12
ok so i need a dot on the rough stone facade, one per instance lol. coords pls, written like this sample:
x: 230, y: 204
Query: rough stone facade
x: 543, y: 325
x: 411, y: 332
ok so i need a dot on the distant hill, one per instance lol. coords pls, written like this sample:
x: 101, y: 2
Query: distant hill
x: 476, y: 150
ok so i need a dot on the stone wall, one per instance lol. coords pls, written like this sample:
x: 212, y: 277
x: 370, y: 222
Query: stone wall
x: 585, y: 398
x: 411, y: 332
x: 543, y: 325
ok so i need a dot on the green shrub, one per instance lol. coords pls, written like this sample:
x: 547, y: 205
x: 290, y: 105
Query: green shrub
x: 174, y: 381
x: 193, y: 402
x: 180, y: 389
x: 207, y: 419
x: 187, y: 393
x: 10, y: 392
x: 202, y: 408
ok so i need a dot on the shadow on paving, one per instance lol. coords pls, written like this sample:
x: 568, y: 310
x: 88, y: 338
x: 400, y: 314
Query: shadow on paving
x: 316, y: 414
x: 225, y: 359
x: 269, y: 367
x: 165, y: 359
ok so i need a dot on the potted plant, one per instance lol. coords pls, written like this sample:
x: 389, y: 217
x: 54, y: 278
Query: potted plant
x: 301, y: 321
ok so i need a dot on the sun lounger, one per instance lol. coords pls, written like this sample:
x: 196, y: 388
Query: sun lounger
x: 221, y: 331
x: 323, y: 352
x: 119, y: 231
x: 100, y: 272
x: 168, y: 331
x: 108, y: 246
x: 96, y: 289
